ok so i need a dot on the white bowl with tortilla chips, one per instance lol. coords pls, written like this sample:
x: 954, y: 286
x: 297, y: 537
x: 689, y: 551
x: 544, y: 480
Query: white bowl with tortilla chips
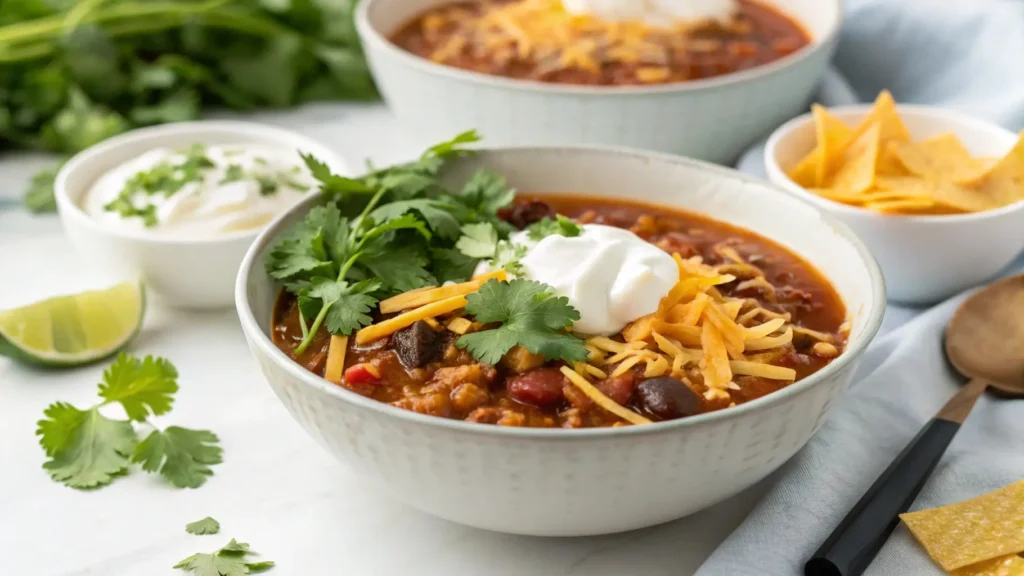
x: 924, y: 257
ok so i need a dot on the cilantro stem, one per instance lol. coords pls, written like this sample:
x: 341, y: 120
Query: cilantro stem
x: 302, y: 324
x: 308, y: 338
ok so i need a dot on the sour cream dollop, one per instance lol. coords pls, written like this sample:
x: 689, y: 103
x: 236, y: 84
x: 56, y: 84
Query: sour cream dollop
x: 661, y: 13
x: 610, y: 275
x: 200, y: 191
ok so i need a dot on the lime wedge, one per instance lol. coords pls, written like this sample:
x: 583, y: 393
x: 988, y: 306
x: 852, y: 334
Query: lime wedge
x: 75, y: 329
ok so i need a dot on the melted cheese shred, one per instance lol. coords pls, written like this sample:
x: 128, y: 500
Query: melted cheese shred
x: 697, y: 329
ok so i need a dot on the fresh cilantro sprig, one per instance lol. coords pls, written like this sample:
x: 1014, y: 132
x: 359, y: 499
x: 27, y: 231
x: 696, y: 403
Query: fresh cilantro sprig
x: 392, y: 230
x: 559, y: 225
x: 231, y: 560
x: 530, y: 315
x: 88, y: 449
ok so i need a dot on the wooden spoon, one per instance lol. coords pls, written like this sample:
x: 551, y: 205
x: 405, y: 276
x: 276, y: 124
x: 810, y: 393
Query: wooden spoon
x: 985, y: 343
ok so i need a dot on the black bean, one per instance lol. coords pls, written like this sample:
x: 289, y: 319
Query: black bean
x: 529, y: 212
x: 668, y: 398
x: 417, y: 345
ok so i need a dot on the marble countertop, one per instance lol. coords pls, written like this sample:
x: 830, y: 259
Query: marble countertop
x: 276, y: 489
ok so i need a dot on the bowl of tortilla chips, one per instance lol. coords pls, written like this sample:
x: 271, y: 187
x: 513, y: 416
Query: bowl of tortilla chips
x: 938, y: 196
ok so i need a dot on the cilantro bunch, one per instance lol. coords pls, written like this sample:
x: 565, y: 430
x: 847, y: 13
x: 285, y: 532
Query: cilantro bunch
x: 75, y: 73
x: 390, y: 231
x: 88, y: 449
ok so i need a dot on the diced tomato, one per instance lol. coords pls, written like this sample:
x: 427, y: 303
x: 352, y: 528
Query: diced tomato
x: 362, y: 373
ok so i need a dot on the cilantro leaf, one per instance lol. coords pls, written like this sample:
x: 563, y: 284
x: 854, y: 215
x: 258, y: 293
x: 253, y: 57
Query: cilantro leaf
x: 549, y: 227
x: 348, y: 305
x: 231, y: 560
x: 451, y: 265
x: 433, y: 158
x: 181, y: 455
x: 86, y: 449
x: 530, y: 315
x: 478, y: 240
x: 330, y: 183
x: 140, y: 386
x: 403, y: 222
x: 400, y: 268
x: 442, y: 216
x: 203, y: 527
x: 486, y: 192
x: 507, y: 256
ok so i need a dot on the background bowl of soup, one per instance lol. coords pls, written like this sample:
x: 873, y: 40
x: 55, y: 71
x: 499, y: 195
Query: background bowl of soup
x: 558, y: 482
x: 711, y: 117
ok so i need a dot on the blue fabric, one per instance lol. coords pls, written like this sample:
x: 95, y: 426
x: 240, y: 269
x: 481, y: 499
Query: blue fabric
x: 967, y: 55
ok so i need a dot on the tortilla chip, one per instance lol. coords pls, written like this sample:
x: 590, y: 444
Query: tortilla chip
x: 1010, y: 167
x: 888, y: 163
x: 972, y: 531
x: 941, y: 158
x: 833, y: 136
x: 883, y: 112
x: 805, y: 171
x: 945, y: 193
x: 901, y: 205
x: 1005, y: 566
x: 856, y: 172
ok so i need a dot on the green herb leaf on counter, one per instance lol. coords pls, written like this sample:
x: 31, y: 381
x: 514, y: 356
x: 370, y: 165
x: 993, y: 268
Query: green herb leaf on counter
x: 180, y: 455
x: 549, y: 227
x: 231, y: 560
x: 203, y: 527
x: 142, y: 387
x: 88, y: 449
x: 530, y: 315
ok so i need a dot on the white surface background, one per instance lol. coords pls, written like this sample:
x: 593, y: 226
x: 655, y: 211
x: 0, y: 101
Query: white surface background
x: 276, y: 489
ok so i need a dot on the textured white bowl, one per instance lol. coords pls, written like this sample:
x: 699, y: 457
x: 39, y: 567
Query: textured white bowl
x: 593, y: 481
x: 713, y: 119
x: 180, y: 272
x: 924, y: 258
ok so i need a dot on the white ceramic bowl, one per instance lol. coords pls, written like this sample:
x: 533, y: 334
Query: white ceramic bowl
x: 590, y: 481
x: 713, y: 119
x: 924, y: 258
x: 179, y: 272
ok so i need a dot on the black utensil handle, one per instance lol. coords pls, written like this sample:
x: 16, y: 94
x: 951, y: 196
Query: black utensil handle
x: 854, y: 543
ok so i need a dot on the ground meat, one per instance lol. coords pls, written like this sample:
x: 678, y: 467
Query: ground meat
x: 467, y: 397
x: 495, y: 415
x: 571, y: 418
x: 676, y: 242
x: 576, y: 397
x: 480, y: 374
x: 433, y: 402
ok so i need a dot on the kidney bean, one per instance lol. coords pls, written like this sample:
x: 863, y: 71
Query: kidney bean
x: 668, y: 398
x: 541, y: 387
x: 526, y: 213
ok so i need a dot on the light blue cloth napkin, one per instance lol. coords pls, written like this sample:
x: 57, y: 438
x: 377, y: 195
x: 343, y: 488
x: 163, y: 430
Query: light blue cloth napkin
x: 966, y: 55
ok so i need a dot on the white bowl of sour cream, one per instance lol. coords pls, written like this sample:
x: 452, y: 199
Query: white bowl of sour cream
x: 178, y: 205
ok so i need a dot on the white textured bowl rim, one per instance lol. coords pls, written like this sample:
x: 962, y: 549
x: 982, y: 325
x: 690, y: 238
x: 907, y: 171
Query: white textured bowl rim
x: 251, y: 328
x: 371, y: 35
x: 951, y: 116
x: 241, y: 128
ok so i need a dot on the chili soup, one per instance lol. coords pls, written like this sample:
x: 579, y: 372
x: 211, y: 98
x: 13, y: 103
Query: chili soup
x: 542, y: 41
x: 569, y: 311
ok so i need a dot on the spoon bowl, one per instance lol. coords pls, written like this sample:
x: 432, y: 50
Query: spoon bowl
x: 985, y: 338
